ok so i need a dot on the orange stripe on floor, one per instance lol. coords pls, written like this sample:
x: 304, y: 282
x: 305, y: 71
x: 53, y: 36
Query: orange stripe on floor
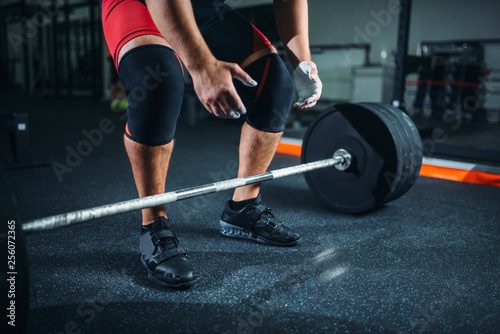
x: 439, y: 172
x: 287, y: 148
x: 460, y: 175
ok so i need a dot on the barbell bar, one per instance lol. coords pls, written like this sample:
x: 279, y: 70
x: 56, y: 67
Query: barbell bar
x: 368, y: 143
x: 341, y: 160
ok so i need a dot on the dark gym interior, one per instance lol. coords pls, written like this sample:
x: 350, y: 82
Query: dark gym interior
x: 426, y: 262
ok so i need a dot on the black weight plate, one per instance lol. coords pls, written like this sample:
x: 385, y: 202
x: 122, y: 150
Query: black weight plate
x: 406, y: 159
x: 363, y: 186
x: 396, y: 181
x: 416, y: 148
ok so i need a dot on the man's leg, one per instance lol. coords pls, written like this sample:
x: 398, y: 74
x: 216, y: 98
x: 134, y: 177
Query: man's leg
x: 257, y: 148
x: 112, y: 89
x: 114, y: 100
x: 150, y: 168
x: 256, y: 151
x: 154, y: 83
x: 153, y: 80
x: 245, y: 216
x: 149, y: 163
x: 122, y: 91
x: 268, y: 107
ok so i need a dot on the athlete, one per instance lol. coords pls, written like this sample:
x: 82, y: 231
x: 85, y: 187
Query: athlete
x: 236, y: 72
x: 118, y: 99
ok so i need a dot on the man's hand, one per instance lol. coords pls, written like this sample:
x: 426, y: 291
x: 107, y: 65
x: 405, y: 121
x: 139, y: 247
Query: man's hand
x: 307, y: 84
x: 214, y: 86
x: 212, y: 79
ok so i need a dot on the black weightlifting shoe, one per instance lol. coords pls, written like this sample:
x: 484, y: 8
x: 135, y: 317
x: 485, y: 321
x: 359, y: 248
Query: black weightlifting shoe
x: 256, y: 222
x: 167, y: 263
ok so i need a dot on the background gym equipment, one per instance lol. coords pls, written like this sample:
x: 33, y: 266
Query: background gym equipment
x: 355, y: 157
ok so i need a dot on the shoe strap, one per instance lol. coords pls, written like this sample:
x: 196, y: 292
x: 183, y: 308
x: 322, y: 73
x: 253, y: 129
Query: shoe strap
x: 256, y: 213
x: 157, y: 236
x: 166, y: 255
x: 271, y: 226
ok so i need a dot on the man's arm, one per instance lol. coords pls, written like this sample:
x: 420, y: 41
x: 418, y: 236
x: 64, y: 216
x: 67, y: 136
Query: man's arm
x: 293, y: 26
x: 212, y: 78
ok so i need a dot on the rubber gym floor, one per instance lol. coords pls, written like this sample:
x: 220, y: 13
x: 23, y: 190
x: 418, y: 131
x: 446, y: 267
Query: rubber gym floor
x: 428, y: 262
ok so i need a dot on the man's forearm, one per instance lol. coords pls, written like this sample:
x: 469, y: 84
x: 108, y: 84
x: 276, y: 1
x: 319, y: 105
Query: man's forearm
x: 293, y: 27
x: 175, y: 21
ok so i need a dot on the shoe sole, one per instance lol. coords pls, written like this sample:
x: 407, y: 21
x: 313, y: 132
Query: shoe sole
x: 233, y: 231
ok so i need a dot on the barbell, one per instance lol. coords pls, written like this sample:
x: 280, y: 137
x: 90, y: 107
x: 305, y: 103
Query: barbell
x: 355, y: 157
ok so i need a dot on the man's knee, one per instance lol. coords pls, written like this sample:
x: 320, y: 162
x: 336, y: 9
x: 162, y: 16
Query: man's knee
x: 154, y: 85
x: 270, y: 102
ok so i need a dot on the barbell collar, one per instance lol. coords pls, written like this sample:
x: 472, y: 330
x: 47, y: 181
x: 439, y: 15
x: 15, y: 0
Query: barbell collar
x: 347, y: 159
